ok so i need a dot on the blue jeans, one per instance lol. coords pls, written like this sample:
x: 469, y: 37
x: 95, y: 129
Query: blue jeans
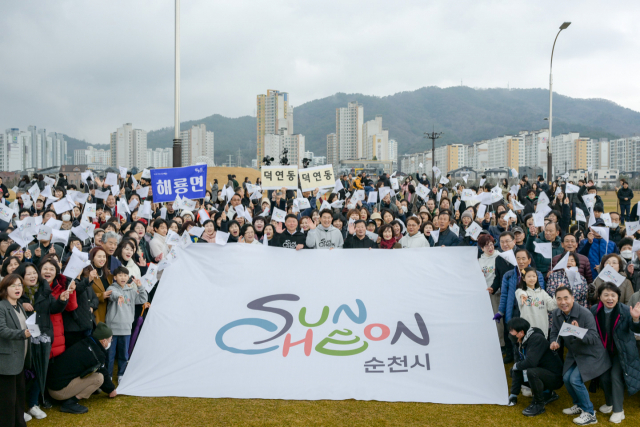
x: 625, y: 209
x: 576, y: 388
x: 33, y: 393
x: 119, y: 349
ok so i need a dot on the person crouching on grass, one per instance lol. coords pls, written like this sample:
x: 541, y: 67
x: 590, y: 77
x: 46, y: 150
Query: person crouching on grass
x: 120, y: 312
x: 536, y: 364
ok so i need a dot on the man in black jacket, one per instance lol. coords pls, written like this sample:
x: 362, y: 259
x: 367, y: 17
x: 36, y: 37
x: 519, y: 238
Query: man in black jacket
x: 290, y: 238
x: 535, y: 364
x: 81, y: 370
x: 357, y: 237
x: 625, y: 195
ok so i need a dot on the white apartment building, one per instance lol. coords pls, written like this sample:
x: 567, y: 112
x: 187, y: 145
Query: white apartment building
x: 376, y: 140
x: 197, y: 142
x: 410, y: 163
x: 31, y: 149
x: 92, y: 155
x: 129, y: 147
x: 477, y: 156
x: 393, y: 153
x: 535, y: 146
x: 624, y: 154
x: 598, y: 154
x: 563, y: 150
x: 160, y: 158
x: 349, y: 140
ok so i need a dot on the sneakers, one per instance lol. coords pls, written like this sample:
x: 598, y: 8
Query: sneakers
x: 71, y: 406
x: 606, y: 409
x: 574, y: 410
x: 526, y: 391
x: 46, y: 404
x: 27, y: 417
x: 551, y: 397
x: 585, y: 419
x: 37, y: 413
x: 617, y: 417
x: 536, y: 408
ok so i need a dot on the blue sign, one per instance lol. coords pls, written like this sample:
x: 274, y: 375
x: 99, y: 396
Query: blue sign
x: 188, y: 182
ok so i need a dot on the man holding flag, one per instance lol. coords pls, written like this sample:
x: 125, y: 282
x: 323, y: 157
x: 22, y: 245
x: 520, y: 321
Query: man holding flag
x: 586, y: 357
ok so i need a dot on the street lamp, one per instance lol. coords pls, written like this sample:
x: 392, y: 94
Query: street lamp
x: 564, y: 26
x: 177, y: 142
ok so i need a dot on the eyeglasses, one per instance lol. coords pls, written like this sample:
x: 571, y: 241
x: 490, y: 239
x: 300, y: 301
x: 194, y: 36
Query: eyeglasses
x: 18, y: 286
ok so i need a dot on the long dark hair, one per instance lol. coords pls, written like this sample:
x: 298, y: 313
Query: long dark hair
x: 523, y: 285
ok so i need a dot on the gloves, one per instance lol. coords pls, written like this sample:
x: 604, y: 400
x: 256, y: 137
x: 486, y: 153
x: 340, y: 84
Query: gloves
x: 513, y: 400
x: 497, y: 317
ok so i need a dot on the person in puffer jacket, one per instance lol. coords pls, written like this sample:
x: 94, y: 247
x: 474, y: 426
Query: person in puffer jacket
x: 595, y: 247
x: 325, y: 235
x: 616, y: 324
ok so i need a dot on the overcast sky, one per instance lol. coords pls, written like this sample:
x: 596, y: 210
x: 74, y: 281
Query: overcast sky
x: 86, y: 67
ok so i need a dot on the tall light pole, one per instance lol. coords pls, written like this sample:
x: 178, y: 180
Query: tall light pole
x: 177, y: 142
x: 549, y: 165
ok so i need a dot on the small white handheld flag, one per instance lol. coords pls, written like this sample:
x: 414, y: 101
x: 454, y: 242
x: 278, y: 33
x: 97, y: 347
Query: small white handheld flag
x: 569, y: 330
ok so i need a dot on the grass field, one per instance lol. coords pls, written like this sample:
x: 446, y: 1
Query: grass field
x: 176, y: 412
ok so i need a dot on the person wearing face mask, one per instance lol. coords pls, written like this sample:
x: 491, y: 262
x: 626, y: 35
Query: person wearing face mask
x: 81, y: 370
x: 424, y: 180
x: 616, y: 324
x: 616, y: 233
x: 535, y: 364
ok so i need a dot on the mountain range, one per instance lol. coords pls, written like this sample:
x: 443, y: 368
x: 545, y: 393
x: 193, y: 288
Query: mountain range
x: 464, y: 114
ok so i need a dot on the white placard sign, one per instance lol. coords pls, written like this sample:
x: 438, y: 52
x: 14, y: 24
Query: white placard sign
x: 339, y: 354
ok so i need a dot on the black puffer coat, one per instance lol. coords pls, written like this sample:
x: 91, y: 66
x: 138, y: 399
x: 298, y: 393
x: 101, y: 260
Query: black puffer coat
x: 81, y: 318
x: 623, y: 339
x: 45, y: 305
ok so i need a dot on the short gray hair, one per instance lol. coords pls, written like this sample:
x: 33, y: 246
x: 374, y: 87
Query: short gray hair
x: 110, y: 235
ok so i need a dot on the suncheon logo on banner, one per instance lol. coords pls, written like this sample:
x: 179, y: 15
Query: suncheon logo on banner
x: 351, y: 336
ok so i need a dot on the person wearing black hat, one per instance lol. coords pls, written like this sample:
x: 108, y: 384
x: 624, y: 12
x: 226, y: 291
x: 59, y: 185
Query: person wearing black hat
x: 81, y: 370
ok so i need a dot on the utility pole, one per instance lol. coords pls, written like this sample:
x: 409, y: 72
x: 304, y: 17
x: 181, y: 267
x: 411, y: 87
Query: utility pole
x: 433, y: 136
x: 177, y: 142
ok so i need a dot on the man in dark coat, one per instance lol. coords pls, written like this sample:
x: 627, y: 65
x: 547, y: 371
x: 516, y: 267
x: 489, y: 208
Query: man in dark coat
x: 290, y: 238
x: 446, y: 237
x: 81, y: 370
x: 625, y: 195
x: 586, y: 358
x: 357, y: 237
x: 535, y: 364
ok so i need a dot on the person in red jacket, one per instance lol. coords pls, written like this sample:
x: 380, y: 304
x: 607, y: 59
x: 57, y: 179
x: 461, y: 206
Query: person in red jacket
x: 50, y: 271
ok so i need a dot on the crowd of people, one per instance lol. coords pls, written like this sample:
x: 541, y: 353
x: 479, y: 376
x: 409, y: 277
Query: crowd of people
x: 541, y: 248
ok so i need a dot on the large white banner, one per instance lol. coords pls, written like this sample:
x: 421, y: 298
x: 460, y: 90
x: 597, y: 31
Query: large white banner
x: 247, y: 321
